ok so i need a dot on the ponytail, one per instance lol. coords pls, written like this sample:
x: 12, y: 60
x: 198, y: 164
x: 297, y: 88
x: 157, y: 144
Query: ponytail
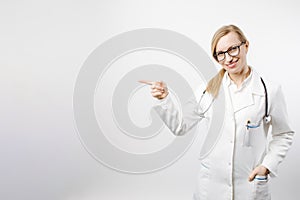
x: 215, y: 83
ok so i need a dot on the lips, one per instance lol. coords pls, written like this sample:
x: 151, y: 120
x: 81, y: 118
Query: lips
x: 232, y: 64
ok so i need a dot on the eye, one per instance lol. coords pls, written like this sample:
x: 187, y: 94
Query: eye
x: 219, y: 53
x: 233, y: 48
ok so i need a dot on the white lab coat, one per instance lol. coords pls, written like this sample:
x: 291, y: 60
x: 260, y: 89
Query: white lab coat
x: 224, y: 171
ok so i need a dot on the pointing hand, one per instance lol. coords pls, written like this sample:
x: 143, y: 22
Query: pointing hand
x: 159, y: 89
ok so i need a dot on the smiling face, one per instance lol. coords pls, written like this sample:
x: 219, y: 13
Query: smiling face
x: 233, y: 64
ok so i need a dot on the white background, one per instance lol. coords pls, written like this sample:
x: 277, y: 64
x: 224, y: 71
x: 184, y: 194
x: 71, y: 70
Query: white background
x: 43, y: 45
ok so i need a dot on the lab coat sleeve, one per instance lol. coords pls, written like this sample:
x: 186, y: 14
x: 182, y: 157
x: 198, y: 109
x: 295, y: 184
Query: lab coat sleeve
x: 177, y: 123
x: 282, y: 134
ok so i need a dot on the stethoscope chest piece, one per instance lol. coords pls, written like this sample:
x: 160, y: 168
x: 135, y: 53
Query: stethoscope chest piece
x: 268, y: 119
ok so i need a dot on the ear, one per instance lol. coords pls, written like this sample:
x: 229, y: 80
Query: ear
x: 247, y: 46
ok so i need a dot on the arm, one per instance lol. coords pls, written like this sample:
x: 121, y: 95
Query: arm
x: 282, y: 134
x: 169, y: 113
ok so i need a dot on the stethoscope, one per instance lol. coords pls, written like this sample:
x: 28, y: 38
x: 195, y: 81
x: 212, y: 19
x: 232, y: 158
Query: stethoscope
x: 267, y: 117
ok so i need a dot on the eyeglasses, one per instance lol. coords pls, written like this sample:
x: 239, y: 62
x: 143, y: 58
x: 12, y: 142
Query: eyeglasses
x: 232, y: 51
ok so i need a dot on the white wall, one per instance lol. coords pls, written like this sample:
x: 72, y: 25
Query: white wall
x: 43, y: 46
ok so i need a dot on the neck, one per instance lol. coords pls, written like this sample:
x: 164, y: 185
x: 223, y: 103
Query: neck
x: 239, y: 77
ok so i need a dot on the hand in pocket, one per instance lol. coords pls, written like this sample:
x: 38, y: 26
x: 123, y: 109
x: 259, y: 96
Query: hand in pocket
x: 261, y: 188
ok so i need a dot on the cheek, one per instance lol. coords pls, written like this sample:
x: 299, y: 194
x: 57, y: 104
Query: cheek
x: 242, y: 57
x: 243, y: 53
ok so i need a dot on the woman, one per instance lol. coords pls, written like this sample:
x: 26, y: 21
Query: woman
x: 238, y: 165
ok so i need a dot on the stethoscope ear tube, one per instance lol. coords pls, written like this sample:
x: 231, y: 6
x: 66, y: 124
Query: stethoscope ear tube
x: 267, y: 117
x: 204, y: 111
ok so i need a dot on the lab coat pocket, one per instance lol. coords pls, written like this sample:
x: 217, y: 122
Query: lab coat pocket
x: 251, y: 130
x: 261, y: 188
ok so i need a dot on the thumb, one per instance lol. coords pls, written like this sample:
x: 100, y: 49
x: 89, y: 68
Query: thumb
x: 252, y: 175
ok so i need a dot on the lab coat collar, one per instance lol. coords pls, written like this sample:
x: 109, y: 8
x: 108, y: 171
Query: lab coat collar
x: 255, y: 82
x: 257, y: 87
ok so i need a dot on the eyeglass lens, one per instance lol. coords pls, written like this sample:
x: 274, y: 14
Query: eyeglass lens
x: 232, y: 51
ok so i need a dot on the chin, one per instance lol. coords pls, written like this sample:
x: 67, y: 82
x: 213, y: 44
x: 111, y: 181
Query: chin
x: 234, y: 70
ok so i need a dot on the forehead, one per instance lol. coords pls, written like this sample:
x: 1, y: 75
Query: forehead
x: 227, y: 41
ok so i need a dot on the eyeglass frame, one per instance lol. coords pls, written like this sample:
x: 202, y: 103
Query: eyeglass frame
x: 227, y: 51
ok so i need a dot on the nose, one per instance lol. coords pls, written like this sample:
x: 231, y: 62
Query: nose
x: 228, y: 57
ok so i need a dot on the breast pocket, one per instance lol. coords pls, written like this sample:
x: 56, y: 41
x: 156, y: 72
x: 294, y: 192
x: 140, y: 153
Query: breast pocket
x: 252, y: 132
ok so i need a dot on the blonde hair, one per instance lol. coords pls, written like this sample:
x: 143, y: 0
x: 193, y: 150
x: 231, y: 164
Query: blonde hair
x: 214, y: 84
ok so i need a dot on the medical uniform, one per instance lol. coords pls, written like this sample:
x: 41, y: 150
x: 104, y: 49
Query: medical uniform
x: 224, y: 171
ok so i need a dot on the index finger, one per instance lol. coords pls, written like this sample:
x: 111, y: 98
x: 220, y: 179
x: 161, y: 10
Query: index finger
x: 146, y: 82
